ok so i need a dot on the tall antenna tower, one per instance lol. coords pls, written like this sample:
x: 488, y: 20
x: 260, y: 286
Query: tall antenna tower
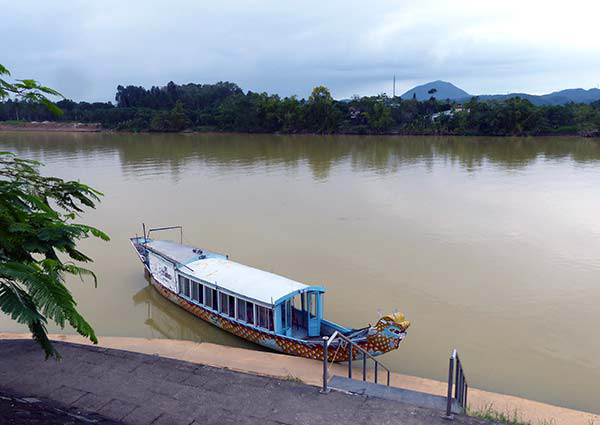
x: 394, y: 89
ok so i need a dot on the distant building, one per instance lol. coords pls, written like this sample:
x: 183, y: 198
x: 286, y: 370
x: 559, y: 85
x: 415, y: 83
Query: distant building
x: 354, y: 112
x: 449, y: 112
x: 439, y: 114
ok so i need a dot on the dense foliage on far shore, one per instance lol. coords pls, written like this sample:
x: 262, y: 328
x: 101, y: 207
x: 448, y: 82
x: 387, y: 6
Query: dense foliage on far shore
x: 225, y: 107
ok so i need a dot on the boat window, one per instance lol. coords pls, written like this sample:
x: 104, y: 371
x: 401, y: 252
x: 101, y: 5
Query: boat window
x: 270, y: 319
x: 286, y: 314
x: 261, y: 313
x: 207, y: 298
x: 223, y: 304
x: 312, y: 301
x: 195, y: 291
x: 200, y: 293
x: 184, y: 286
x: 231, y: 305
x: 250, y: 312
x: 265, y: 317
x: 241, y: 310
x: 227, y: 304
x: 181, y: 284
x: 210, y: 298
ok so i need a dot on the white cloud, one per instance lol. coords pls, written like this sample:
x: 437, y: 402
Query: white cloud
x: 85, y: 49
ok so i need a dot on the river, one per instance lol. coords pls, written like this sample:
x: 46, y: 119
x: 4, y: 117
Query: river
x: 488, y: 245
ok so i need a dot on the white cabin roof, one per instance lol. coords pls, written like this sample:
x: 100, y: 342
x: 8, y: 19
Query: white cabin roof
x: 243, y: 280
x: 247, y: 281
x: 216, y: 269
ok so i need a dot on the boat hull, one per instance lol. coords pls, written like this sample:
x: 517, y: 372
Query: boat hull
x: 294, y: 346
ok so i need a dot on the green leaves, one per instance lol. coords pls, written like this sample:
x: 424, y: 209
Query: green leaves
x: 41, y: 294
x: 3, y: 70
x: 36, y: 224
x: 29, y: 90
x: 36, y: 214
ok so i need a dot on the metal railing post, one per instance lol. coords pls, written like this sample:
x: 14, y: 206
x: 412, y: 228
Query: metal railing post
x: 457, y: 378
x: 458, y: 384
x: 350, y: 363
x: 343, y: 340
x: 449, y: 397
x: 364, y: 367
x: 325, y: 390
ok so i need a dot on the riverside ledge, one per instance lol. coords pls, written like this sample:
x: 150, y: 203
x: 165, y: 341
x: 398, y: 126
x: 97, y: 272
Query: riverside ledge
x: 91, y: 370
x: 135, y: 388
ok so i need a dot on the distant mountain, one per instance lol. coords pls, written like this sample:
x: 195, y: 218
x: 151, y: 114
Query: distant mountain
x: 444, y: 90
x: 447, y: 90
x: 555, y: 98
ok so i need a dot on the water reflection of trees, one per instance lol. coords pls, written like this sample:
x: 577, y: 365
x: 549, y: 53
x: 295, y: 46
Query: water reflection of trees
x: 171, y: 152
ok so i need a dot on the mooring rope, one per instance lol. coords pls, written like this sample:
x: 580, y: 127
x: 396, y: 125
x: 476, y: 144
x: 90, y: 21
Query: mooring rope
x: 336, y: 353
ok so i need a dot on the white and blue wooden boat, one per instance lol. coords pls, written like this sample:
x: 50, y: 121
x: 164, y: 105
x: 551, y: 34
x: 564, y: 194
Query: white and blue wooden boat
x: 262, y: 307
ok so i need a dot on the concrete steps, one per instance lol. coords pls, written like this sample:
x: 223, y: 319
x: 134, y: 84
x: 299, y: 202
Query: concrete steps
x: 371, y: 389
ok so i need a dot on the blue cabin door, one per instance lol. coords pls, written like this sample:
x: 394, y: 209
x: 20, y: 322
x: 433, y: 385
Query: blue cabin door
x: 314, y: 313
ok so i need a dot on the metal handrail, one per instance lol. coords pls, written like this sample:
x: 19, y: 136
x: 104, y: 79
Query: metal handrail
x: 328, y: 340
x: 155, y: 229
x: 457, y: 379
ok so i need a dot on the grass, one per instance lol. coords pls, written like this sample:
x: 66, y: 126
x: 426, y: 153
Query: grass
x: 292, y: 378
x: 510, y: 418
x: 14, y: 123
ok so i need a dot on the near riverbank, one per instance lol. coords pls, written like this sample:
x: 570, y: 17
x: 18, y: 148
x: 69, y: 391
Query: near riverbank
x: 146, y: 389
x: 295, y: 369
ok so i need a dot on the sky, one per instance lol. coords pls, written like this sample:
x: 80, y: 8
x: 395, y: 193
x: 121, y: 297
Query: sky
x: 85, y: 49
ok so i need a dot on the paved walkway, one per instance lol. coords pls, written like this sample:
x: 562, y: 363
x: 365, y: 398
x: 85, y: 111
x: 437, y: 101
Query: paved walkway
x: 33, y: 411
x: 144, y: 389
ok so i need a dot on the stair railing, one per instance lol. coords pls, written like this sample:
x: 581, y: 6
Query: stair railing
x: 343, y: 341
x: 456, y: 378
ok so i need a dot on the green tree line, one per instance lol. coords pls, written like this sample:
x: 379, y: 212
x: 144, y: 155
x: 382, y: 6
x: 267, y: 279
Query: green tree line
x: 225, y: 107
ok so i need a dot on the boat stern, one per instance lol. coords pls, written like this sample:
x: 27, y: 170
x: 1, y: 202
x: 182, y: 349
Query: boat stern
x: 139, y: 245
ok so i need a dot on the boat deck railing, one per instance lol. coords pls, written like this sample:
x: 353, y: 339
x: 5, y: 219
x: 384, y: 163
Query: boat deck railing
x: 456, y: 379
x: 157, y: 229
x: 344, y: 342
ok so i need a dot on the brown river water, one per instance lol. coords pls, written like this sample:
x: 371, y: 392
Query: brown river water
x: 490, y: 246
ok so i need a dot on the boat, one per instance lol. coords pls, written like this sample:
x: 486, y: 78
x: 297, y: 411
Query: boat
x: 262, y: 307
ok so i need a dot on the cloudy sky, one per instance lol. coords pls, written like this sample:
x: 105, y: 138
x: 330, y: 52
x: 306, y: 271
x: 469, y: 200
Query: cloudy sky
x: 85, y: 49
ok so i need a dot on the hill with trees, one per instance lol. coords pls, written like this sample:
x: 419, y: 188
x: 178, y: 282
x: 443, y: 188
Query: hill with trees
x: 439, y: 89
x: 445, y: 90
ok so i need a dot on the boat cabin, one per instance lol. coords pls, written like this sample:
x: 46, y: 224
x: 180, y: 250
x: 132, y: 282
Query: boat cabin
x: 247, y: 295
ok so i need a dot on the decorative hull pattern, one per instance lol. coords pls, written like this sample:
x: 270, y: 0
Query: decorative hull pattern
x: 385, y: 336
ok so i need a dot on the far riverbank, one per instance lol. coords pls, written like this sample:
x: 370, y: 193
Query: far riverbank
x: 79, y: 127
x: 51, y: 126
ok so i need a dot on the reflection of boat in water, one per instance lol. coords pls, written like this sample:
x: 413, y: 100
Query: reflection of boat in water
x: 262, y: 307
x: 172, y: 322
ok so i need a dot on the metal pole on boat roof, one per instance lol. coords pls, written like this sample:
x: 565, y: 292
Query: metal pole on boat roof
x: 325, y: 390
x: 144, y: 229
